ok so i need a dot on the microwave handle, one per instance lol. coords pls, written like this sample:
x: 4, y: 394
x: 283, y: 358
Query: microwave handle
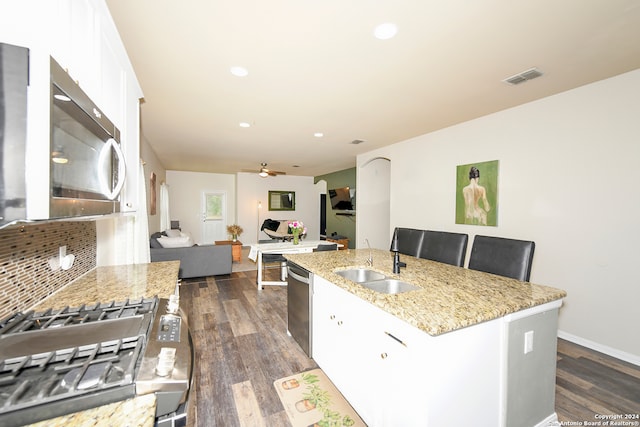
x: 122, y: 170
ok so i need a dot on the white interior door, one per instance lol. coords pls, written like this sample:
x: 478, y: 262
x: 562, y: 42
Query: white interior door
x: 214, y: 216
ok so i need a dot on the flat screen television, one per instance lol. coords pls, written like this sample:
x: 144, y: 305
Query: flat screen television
x: 342, y: 199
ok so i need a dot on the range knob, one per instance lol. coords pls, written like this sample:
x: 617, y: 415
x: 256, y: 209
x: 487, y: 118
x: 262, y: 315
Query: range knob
x: 174, y: 304
x: 166, y: 361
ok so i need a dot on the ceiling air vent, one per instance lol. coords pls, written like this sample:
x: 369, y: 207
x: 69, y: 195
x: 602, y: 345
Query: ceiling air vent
x: 524, y: 76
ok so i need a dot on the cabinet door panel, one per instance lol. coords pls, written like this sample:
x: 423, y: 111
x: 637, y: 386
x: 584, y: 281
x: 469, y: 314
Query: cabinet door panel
x: 340, y: 342
x: 375, y: 358
x: 84, y: 60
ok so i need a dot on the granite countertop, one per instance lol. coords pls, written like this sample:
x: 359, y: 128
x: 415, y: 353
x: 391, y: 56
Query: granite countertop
x: 116, y: 283
x: 105, y: 284
x: 451, y: 297
x: 138, y: 412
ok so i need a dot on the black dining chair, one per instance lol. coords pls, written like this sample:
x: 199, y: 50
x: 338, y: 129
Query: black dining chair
x: 504, y: 257
x: 409, y: 240
x: 270, y: 259
x: 326, y: 247
x: 443, y: 246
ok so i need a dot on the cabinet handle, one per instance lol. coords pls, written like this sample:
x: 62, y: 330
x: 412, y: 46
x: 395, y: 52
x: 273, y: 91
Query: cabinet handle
x: 397, y: 339
x: 383, y: 355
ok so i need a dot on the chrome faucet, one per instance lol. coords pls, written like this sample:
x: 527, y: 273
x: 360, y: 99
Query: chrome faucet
x: 370, y: 259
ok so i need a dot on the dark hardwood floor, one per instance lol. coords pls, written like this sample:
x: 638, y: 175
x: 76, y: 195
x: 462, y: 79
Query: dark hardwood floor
x: 589, y: 384
x: 242, y: 347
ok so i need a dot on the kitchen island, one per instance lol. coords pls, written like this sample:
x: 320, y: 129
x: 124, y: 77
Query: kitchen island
x: 465, y: 348
x: 105, y: 284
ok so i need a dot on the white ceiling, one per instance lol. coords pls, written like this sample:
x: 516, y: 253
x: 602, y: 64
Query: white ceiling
x: 314, y: 66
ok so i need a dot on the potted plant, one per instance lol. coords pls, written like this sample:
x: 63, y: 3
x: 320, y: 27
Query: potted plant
x: 235, y: 230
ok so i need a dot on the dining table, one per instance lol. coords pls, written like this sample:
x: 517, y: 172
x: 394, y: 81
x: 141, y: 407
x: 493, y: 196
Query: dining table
x: 303, y: 246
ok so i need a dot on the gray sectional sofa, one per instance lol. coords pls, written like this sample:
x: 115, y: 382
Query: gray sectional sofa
x: 197, y: 261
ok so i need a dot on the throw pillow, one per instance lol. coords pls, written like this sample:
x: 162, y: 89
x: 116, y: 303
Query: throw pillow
x: 270, y: 224
x: 283, y: 228
x: 176, y: 242
x: 173, y: 233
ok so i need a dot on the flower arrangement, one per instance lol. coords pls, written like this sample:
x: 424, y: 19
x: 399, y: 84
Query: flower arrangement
x: 235, y: 230
x: 297, y: 228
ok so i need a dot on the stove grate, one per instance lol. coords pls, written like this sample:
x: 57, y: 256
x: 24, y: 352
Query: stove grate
x: 34, y: 380
x: 56, y: 318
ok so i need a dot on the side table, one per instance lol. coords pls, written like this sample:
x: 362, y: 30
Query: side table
x: 343, y: 242
x: 236, y: 248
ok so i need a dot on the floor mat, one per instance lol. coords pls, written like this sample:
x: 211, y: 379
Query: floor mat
x: 311, y: 399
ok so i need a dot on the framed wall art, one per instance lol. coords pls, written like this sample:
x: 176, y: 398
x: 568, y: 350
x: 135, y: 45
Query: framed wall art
x: 152, y: 197
x: 477, y: 193
x: 282, y: 200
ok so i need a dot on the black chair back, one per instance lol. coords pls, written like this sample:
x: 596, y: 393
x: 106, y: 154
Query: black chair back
x: 269, y: 258
x: 505, y: 257
x: 409, y: 241
x: 327, y: 247
x: 442, y: 246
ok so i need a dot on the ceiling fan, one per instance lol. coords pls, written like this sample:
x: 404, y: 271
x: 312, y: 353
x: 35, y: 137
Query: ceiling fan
x: 264, y: 172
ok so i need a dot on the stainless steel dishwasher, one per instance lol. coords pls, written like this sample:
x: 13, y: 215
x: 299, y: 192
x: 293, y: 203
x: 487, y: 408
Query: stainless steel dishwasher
x: 299, y: 305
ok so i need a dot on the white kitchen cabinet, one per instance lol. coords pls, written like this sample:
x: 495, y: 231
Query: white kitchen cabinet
x: 81, y: 36
x: 399, y: 356
x: 131, y: 146
x: 395, y: 374
x: 374, y: 359
x: 337, y: 340
x: 121, y: 101
x: 76, y: 44
x: 88, y: 48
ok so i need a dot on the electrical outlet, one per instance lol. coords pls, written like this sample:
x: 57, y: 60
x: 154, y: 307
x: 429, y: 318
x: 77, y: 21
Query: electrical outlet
x: 528, y: 342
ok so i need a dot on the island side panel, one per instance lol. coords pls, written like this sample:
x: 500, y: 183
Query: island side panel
x: 531, y: 369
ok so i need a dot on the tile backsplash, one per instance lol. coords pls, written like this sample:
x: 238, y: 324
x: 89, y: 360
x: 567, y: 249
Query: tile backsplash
x: 25, y: 275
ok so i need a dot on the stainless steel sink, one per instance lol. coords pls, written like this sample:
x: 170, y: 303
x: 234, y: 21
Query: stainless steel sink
x: 376, y: 281
x: 360, y: 275
x: 389, y: 286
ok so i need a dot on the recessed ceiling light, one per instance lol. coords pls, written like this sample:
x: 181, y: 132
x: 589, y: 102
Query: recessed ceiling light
x: 245, y: 125
x: 239, y: 71
x: 318, y: 134
x: 385, y: 31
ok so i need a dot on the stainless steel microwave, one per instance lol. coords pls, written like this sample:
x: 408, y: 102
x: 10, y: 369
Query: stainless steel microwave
x: 87, y: 165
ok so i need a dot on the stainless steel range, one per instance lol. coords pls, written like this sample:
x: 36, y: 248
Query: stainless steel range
x: 66, y: 360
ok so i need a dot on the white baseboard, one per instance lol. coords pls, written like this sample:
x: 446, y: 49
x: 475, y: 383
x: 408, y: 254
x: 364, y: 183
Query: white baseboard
x: 627, y: 357
x: 550, y: 421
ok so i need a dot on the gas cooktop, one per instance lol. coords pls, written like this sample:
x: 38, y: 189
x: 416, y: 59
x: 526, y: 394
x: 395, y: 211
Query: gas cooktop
x: 65, y: 360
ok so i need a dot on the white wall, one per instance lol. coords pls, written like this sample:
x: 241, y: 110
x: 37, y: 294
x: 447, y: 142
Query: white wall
x: 373, y: 202
x: 569, y: 167
x: 252, y: 189
x: 185, y: 199
x: 152, y: 165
